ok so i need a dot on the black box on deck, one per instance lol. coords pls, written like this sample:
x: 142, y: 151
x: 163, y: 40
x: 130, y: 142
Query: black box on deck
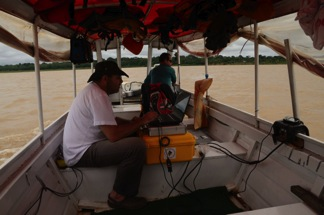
x: 286, y: 131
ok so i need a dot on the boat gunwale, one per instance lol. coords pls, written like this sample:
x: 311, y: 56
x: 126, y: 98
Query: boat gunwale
x: 19, y: 164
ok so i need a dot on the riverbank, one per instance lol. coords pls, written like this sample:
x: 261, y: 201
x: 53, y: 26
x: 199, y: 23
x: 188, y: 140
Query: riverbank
x: 142, y: 62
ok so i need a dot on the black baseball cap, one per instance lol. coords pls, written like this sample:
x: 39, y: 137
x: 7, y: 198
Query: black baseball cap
x: 106, y: 68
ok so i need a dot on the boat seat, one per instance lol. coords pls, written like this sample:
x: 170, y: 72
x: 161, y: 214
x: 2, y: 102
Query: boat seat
x: 152, y: 187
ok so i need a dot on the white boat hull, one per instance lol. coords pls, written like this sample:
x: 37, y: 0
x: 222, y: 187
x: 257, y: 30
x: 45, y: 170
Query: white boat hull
x: 268, y: 186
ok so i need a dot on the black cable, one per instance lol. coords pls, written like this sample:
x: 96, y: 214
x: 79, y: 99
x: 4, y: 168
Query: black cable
x: 160, y: 159
x: 247, y: 178
x: 184, y: 172
x: 198, y: 200
x: 39, y: 200
x: 256, y: 162
x: 172, y: 182
x: 168, y: 162
x: 245, y: 161
x: 164, y: 142
x: 231, y: 155
x: 169, y: 166
x: 255, y: 166
x: 194, y: 181
x: 60, y: 194
x: 184, y: 181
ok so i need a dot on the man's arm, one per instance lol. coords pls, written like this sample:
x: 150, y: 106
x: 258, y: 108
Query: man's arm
x: 117, y: 132
x: 121, y: 121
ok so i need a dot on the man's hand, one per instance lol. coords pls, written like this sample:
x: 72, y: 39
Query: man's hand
x: 149, y: 117
x: 116, y: 132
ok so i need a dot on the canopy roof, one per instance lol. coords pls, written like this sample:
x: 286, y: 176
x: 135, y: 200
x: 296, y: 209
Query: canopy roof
x: 165, y: 23
x: 180, y: 16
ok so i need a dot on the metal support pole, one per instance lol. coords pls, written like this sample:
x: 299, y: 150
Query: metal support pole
x: 178, y: 62
x: 291, y: 79
x: 206, y: 64
x: 206, y: 59
x: 149, y: 58
x: 98, y: 50
x: 118, y: 52
x: 256, y: 74
x: 38, y: 81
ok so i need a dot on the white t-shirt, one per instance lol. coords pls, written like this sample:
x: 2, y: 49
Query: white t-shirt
x: 91, y: 108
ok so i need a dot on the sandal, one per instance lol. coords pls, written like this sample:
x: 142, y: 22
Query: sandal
x: 128, y: 203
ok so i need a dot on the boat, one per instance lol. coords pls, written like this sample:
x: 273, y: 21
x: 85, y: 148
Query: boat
x: 267, y: 167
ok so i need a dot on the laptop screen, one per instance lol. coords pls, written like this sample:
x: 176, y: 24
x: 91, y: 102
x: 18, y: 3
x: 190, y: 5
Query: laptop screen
x: 181, y: 104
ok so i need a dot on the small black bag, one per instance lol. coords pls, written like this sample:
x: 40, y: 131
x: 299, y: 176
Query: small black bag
x: 80, y: 50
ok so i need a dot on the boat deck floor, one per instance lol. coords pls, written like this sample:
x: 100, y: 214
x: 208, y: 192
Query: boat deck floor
x: 215, y: 200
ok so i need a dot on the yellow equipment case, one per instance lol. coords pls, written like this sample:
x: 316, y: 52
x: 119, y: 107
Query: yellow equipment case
x: 180, y: 147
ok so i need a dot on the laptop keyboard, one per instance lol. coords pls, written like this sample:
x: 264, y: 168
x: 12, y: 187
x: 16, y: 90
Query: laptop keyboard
x: 162, y: 118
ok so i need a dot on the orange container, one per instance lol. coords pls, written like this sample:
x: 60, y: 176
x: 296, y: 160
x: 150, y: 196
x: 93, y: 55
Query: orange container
x: 180, y: 147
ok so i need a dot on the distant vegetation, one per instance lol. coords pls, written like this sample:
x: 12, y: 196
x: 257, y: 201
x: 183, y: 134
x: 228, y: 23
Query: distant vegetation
x: 142, y: 62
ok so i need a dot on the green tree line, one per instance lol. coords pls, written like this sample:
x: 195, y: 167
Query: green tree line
x: 142, y: 62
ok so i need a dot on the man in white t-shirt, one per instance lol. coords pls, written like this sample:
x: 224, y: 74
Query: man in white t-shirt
x: 94, y: 137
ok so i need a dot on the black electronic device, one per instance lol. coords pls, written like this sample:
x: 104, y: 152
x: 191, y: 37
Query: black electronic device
x: 286, y: 131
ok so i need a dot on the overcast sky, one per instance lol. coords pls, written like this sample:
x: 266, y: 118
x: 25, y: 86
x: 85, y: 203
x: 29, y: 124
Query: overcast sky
x: 10, y: 56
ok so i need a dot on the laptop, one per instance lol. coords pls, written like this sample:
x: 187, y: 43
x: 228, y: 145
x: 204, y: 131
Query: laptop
x: 177, y: 114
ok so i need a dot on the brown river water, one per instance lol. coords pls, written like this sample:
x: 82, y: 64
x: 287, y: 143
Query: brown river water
x: 232, y: 84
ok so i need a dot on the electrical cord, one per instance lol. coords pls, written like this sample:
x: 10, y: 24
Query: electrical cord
x: 173, y: 188
x: 241, y: 160
x: 194, y: 181
x: 256, y: 162
x: 184, y: 181
x: 222, y: 149
x: 197, y: 199
x: 174, y: 185
x: 39, y: 200
x: 160, y: 159
x: 164, y: 141
x: 59, y: 194
x: 255, y: 166
x: 247, y: 179
x: 172, y: 182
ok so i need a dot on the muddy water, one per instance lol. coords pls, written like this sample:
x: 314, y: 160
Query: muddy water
x: 233, y: 85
